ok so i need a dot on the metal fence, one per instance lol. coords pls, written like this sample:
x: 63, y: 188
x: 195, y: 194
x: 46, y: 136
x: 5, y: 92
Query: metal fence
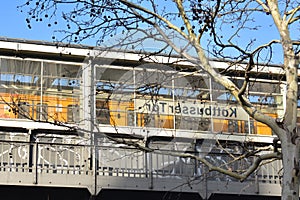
x: 50, y: 158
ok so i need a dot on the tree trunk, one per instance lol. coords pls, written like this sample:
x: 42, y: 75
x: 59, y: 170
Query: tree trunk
x: 290, y: 160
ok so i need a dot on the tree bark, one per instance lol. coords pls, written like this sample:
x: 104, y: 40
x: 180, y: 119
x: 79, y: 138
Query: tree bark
x: 290, y: 160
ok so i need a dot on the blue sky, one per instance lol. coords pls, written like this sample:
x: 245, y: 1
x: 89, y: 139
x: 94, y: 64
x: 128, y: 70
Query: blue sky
x: 13, y: 24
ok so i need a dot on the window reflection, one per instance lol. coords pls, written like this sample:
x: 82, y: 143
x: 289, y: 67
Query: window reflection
x: 145, y: 96
x: 38, y: 90
x: 153, y: 98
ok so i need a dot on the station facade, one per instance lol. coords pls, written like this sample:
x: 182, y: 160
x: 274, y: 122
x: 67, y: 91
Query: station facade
x: 52, y: 86
x: 61, y: 104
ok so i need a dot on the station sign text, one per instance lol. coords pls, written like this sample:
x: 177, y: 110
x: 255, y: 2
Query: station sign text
x: 192, y: 109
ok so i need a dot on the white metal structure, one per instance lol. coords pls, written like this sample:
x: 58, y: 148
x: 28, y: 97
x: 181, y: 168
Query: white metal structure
x: 53, y: 122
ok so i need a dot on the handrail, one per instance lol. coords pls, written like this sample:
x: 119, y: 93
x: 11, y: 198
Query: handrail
x: 56, y: 158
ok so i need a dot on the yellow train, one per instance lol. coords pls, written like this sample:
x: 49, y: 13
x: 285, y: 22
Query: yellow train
x: 126, y: 113
x: 27, y: 106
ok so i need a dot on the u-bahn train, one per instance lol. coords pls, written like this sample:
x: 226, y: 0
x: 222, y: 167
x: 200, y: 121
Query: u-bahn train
x: 131, y: 112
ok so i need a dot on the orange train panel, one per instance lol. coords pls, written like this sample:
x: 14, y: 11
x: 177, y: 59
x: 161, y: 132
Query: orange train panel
x: 263, y: 129
x: 121, y: 113
x: 57, y: 106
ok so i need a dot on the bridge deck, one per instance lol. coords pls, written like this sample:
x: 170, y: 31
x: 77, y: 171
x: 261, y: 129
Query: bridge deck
x: 108, y: 167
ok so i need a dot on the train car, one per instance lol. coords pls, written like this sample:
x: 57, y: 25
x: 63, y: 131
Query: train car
x: 127, y: 113
x: 131, y: 113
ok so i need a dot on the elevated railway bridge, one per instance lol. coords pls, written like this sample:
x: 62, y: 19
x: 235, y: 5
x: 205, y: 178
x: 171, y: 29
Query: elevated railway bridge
x: 69, y: 161
x: 78, y: 123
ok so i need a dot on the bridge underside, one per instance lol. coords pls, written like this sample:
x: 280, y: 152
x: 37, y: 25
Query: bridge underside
x: 57, y: 193
x: 145, y: 195
x: 43, y: 193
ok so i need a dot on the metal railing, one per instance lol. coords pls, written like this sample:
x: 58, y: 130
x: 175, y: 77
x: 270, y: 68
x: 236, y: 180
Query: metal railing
x: 85, y: 160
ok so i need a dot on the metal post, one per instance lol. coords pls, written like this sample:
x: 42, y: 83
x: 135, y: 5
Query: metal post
x: 88, y: 113
x: 173, y: 101
x: 150, y: 168
x: 211, y: 99
x: 36, y: 163
x: 30, y: 157
x: 41, y: 95
x: 134, y: 99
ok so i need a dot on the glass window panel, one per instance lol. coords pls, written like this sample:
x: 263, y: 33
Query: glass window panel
x: 73, y: 115
x: 220, y: 94
x: 24, y: 111
x: 20, y: 82
x: 42, y: 112
x: 102, y: 112
x: 61, y: 91
x: 114, y: 95
x: 265, y: 87
x: 192, y: 123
